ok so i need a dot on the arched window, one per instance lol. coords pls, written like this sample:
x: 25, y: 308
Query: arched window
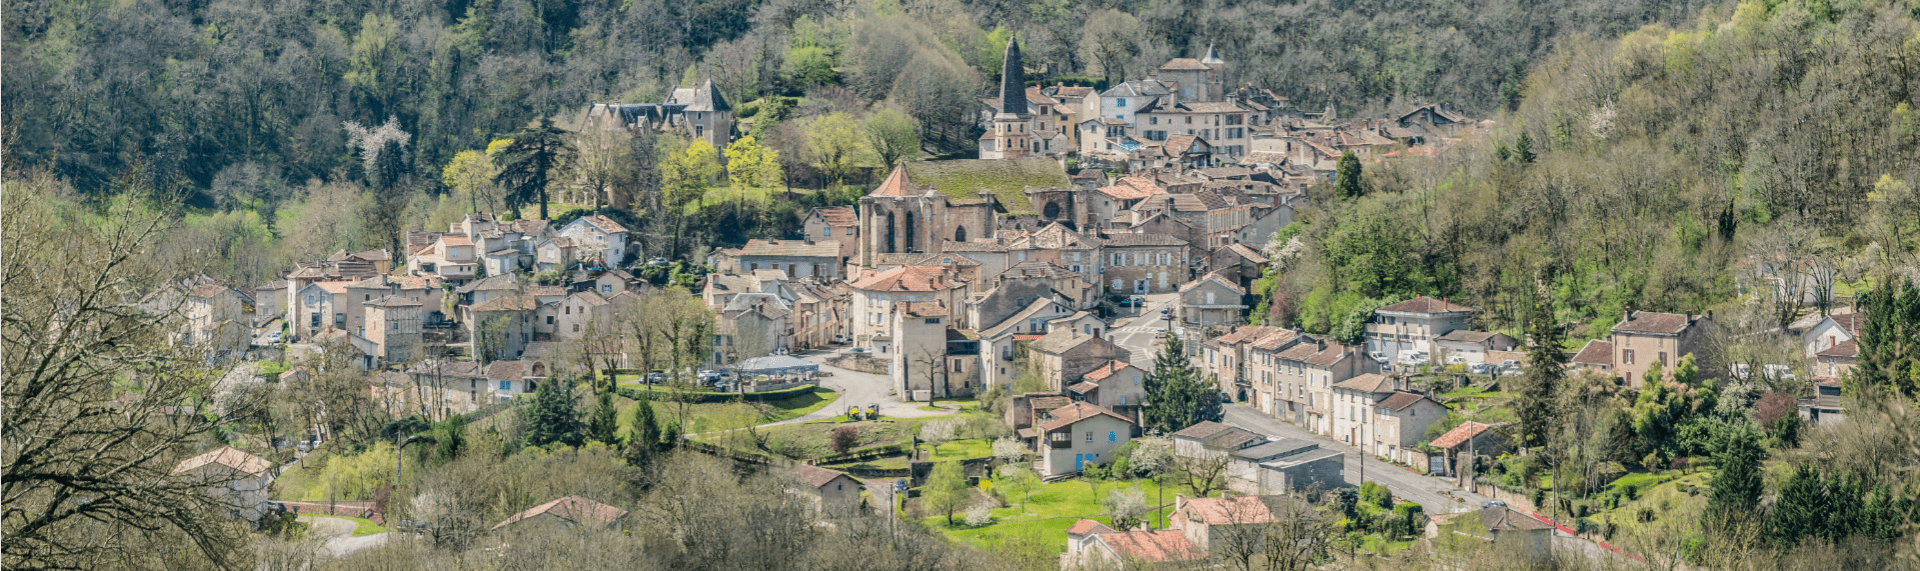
x: 960, y: 234
x: 890, y: 233
x: 910, y: 234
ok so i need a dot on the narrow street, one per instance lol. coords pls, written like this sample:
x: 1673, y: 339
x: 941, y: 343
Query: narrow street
x: 1140, y: 333
x: 1436, y: 495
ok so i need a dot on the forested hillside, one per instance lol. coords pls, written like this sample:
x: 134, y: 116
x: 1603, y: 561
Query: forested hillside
x: 1763, y: 143
x: 182, y: 91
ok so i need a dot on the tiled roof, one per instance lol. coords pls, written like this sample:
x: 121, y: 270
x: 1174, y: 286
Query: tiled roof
x: 1401, y: 400
x: 1068, y: 415
x: 510, y: 369
x: 816, y: 476
x: 1596, y: 352
x: 1018, y: 319
x: 1276, y: 340
x: 1370, y: 382
x: 1247, y: 333
x: 1850, y: 322
x: 1310, y: 353
x: 972, y: 246
x: 1244, y: 251
x: 547, y: 291
x: 906, y: 278
x: 1122, y: 240
x: 1084, y: 387
x: 1183, y: 64
x: 791, y: 248
x: 1427, y: 305
x: 392, y: 301
x: 837, y: 215
x: 208, y: 290
x: 1460, y: 434
x: 1061, y: 340
x: 500, y: 282
x: 1466, y: 336
x: 574, y: 509
x: 1039, y: 269
x: 1654, y: 322
x: 1107, y: 370
x: 1201, y: 431
x: 506, y: 303
x: 1087, y: 526
x: 1506, y: 519
x: 1844, y: 349
x: 1213, y: 277
x: 606, y: 224
x: 1129, y: 192
x: 1152, y: 546
x: 1234, y: 510
x: 923, y: 309
x: 455, y: 240
x: 228, y: 456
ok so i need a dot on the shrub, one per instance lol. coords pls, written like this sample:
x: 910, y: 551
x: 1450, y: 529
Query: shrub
x: 1583, y: 525
x: 844, y: 438
x: 1376, y: 494
x: 1580, y: 510
x: 980, y: 514
x: 1631, y: 491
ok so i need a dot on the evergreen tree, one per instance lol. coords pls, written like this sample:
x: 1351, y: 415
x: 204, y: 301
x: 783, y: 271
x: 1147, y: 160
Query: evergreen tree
x: 1889, y: 340
x: 1346, y: 176
x: 553, y: 416
x: 537, y: 154
x: 603, y: 425
x: 1846, y: 508
x: 1523, y: 148
x: 1546, y: 367
x: 643, y: 436
x: 1801, y: 510
x: 1177, y: 397
x: 1737, y: 483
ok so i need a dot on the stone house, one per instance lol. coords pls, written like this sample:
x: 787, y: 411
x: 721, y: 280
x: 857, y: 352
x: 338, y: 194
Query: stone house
x: 1304, y: 374
x: 1470, y: 347
x: 1403, y: 330
x: 1022, y: 121
x: 1837, y: 362
x: 1203, y: 520
x: 1213, y: 300
x: 1066, y: 355
x: 1509, y: 529
x: 700, y: 112
x: 453, y: 257
x: 835, y: 224
x: 445, y: 387
x: 751, y: 325
x: 1261, y: 466
x: 818, y: 260
x: 317, y: 306
x: 1644, y: 337
x: 573, y: 316
x: 1222, y: 124
x: 1101, y: 548
x: 235, y: 479
x: 1241, y: 262
x: 1471, y: 439
x: 1144, y: 263
x: 270, y: 302
x: 1596, y: 355
x: 1831, y: 331
x: 875, y: 294
x: 834, y: 493
x: 999, y: 343
x: 506, y: 322
x: 215, y: 320
x: 1116, y: 385
x: 1072, y: 436
x: 393, y: 325
x: 428, y: 291
x: 598, y: 238
x: 931, y: 359
x: 1225, y: 357
x: 567, y: 513
x: 1071, y: 284
x: 1376, y: 414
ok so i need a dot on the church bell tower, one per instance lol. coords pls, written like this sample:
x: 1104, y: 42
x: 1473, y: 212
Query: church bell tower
x: 1010, y: 139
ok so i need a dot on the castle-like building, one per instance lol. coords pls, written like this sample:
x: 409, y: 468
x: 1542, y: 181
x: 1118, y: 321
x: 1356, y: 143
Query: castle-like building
x: 698, y: 112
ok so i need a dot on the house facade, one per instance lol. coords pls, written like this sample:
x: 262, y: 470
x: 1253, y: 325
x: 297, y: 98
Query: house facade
x: 1401, y: 332
x: 1078, y: 434
x: 1645, y: 337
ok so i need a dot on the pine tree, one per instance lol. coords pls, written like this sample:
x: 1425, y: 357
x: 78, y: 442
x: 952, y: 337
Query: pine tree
x: 603, y: 425
x: 1546, y: 366
x: 1889, y: 340
x: 1801, y: 510
x: 1523, y: 148
x: 1176, y: 395
x: 538, y: 153
x: 1346, y: 176
x: 643, y: 436
x: 1737, y: 483
x: 553, y: 416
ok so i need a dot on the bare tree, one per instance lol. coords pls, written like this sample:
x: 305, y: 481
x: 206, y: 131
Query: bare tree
x: 98, y: 404
x: 1204, y: 472
x: 1298, y: 537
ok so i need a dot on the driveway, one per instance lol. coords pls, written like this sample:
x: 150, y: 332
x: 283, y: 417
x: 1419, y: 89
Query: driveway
x: 857, y: 388
x: 337, y: 536
x: 1140, y: 333
x: 1436, y: 495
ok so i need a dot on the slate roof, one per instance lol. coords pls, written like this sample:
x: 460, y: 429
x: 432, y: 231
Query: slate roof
x: 797, y: 248
x: 229, y: 457
x: 837, y: 215
x: 1068, y: 415
x: 1596, y: 352
x: 1654, y: 322
x: 907, y: 278
x: 703, y: 98
x: 571, y: 508
x: 1427, y: 305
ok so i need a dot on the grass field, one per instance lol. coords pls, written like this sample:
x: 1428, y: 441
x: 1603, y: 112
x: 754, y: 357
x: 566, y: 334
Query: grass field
x: 1664, y: 501
x: 1051, y: 509
x: 720, y: 416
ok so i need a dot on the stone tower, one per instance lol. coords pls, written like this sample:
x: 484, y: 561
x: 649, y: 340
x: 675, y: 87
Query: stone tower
x: 1009, y: 137
x: 1216, y: 75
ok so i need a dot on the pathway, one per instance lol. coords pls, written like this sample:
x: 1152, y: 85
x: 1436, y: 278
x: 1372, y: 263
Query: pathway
x: 337, y: 535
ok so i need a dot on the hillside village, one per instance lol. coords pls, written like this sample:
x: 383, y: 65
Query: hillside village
x: 1162, y: 319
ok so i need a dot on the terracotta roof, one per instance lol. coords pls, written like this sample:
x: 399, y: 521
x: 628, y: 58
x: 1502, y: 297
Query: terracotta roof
x: 1129, y: 192
x: 228, y: 456
x: 571, y: 508
x: 1202, y: 430
x: 1596, y: 352
x: 1234, y: 510
x: 1184, y: 64
x: 907, y: 278
x: 791, y: 248
x: 1850, y: 322
x: 455, y: 240
x: 1427, y: 305
x: 923, y: 309
x: 816, y: 476
x: 1654, y: 322
x: 1107, y: 370
x: 1068, y: 415
x: 1844, y: 349
x: 1370, y: 382
x: 1152, y: 546
x: 606, y: 224
x: 1084, y: 387
x: 1276, y: 340
x: 1401, y: 400
x: 1244, y: 251
x: 208, y: 290
x: 1087, y: 526
x: 332, y: 287
x: 1460, y: 434
x: 837, y: 215
x: 1506, y: 519
x: 1310, y: 353
x: 1247, y: 333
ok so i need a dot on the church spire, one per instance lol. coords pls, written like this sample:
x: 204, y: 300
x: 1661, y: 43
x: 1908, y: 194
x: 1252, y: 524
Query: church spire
x: 1013, y: 82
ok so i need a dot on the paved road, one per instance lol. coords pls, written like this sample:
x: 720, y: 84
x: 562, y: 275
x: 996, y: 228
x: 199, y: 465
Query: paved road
x: 857, y: 388
x: 1140, y: 334
x: 1436, y: 495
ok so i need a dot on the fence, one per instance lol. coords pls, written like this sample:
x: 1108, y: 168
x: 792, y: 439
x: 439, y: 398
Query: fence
x: 360, y: 509
x: 713, y: 397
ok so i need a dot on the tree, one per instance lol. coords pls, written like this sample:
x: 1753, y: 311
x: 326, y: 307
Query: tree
x: 1204, y: 471
x: 1737, y: 484
x: 751, y: 165
x: 1124, y: 507
x: 1546, y: 366
x: 834, y: 141
x: 1297, y: 537
x: 470, y: 175
x: 935, y: 433
x: 383, y: 153
x: 946, y: 489
x: 604, y: 425
x: 1020, y: 476
x: 892, y: 137
x: 1889, y: 340
x: 1177, y: 397
x: 553, y: 417
x: 844, y: 439
x: 604, y: 164
x: 1151, y: 458
x: 92, y: 390
x: 1110, y: 39
x: 1346, y: 176
x: 684, y: 177
x: 1801, y: 510
x: 643, y: 434
x: 528, y: 165
x: 1523, y: 148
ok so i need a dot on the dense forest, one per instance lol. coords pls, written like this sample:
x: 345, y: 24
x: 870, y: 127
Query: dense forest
x: 1676, y: 169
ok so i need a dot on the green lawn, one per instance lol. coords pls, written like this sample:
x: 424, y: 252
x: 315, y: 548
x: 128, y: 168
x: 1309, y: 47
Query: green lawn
x: 960, y: 449
x: 1051, y: 508
x: 361, y: 526
x: 716, y: 416
x: 1665, y: 500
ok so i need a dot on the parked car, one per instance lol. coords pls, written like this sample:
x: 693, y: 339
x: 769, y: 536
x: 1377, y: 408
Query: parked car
x: 658, y: 262
x: 1479, y: 369
x: 1133, y: 301
x: 656, y: 377
x: 273, y: 338
x: 857, y: 350
x: 1166, y: 311
x: 1226, y: 396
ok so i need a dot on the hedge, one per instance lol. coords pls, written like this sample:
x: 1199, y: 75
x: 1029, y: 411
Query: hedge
x: 713, y: 397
